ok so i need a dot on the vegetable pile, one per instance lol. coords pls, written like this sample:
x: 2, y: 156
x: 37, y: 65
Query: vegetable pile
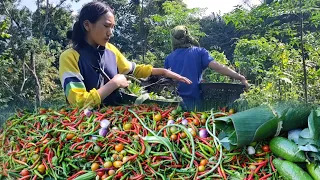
x: 127, y: 142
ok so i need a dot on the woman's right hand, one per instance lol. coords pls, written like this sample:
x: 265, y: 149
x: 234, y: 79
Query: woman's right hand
x: 120, y: 80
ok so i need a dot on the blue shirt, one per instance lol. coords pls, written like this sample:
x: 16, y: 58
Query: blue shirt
x: 189, y: 62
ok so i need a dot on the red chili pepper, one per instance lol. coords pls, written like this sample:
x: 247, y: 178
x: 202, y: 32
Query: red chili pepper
x: 25, y: 177
x: 76, y: 174
x: 251, y: 175
x: 100, y: 160
x: 272, y: 166
x: 34, y: 177
x: 176, y: 166
x: 260, y: 163
x: 143, y: 148
x: 137, y: 177
x: 119, y: 175
x: 18, y: 161
x: 121, y: 140
x: 223, y: 174
x: 38, y: 125
x: 220, y: 173
x: 164, y: 114
x: 77, y: 124
x: 44, y: 163
x: 265, y: 177
x: 132, y: 157
x: 204, y: 141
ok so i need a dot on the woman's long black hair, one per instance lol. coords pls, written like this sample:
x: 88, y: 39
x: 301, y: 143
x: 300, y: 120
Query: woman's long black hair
x: 92, y: 12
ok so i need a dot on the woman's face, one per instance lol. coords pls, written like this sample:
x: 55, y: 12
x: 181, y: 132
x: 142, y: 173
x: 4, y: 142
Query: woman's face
x: 100, y: 32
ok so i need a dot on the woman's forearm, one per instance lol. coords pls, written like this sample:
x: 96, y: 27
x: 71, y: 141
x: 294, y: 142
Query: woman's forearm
x: 222, y: 69
x: 158, y: 71
x: 107, y: 89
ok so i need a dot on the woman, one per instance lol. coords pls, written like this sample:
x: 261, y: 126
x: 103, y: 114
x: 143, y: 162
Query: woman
x: 93, y: 70
x: 190, y: 60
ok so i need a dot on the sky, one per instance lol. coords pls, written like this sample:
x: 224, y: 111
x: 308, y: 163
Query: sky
x: 217, y: 6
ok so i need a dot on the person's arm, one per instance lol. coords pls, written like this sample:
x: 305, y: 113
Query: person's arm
x: 118, y: 81
x: 222, y: 69
x: 74, y: 87
x: 169, y: 74
x: 142, y: 70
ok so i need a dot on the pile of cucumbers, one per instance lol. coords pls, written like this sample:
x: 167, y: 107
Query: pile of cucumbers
x: 292, y: 164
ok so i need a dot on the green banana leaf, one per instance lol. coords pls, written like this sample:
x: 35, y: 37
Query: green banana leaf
x: 259, y: 123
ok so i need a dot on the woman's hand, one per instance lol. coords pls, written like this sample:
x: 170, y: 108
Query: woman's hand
x: 245, y: 82
x: 170, y: 74
x: 120, y: 80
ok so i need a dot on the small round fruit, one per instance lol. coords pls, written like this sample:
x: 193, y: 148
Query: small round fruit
x: 119, y: 147
x: 201, y: 168
x: 252, y: 167
x: 136, y: 137
x: 173, y: 129
x: 100, y: 173
x: 196, y: 122
x: 35, y: 157
x: 265, y: 148
x: 111, y: 172
x: 193, y: 133
x: 125, y: 159
x: 41, y: 168
x: 203, y: 121
x: 184, y: 150
x: 120, y: 157
x: 115, y: 157
x: 231, y: 111
x: 96, y: 149
x: 160, y: 127
x: 70, y: 136
x: 105, y: 176
x: 127, y: 126
x: 117, y: 164
x: 183, y: 135
x: 157, y: 117
x: 107, y: 164
x: 24, y: 172
x: 170, y: 118
x: 24, y: 159
x: 94, y: 166
x: 174, y: 137
x: 174, y: 112
x: 203, y: 162
x: 123, y: 152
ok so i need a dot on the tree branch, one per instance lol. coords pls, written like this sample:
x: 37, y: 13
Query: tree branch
x: 24, y: 76
x: 10, y: 15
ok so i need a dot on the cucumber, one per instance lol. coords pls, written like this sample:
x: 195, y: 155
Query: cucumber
x: 290, y: 171
x: 87, y: 176
x: 314, y: 171
x: 286, y: 149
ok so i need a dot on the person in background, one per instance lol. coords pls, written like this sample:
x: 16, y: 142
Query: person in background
x: 190, y: 60
x: 93, y: 69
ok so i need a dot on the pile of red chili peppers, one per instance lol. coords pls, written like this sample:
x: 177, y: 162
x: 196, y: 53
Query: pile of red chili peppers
x: 65, y: 144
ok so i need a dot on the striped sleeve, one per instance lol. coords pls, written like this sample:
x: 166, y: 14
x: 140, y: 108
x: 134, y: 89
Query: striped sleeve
x: 72, y: 81
x: 127, y: 67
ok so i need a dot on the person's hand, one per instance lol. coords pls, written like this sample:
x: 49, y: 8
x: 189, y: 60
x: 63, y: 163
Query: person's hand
x: 177, y: 77
x: 120, y: 80
x: 245, y: 82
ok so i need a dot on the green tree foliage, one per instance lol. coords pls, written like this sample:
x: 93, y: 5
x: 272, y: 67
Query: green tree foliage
x: 174, y: 14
